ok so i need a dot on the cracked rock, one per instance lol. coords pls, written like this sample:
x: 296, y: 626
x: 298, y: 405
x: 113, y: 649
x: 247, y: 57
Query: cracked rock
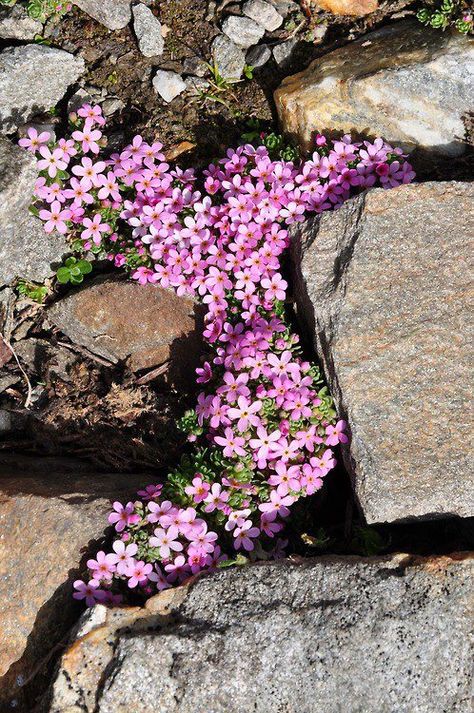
x: 243, y: 31
x: 263, y: 13
x: 33, y: 78
x: 381, y: 634
x: 16, y: 24
x: 383, y: 285
x: 148, y: 31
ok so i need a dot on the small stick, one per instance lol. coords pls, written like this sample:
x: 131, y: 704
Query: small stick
x: 25, y: 375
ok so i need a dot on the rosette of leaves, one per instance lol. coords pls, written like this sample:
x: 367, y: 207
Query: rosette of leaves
x: 73, y: 271
x: 447, y: 13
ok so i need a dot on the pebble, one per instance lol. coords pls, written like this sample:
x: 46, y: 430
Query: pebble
x: 168, y: 84
x: 282, y: 54
x: 243, y: 31
x: 258, y: 56
x: 229, y: 58
x: 195, y: 66
x: 263, y: 13
x: 148, y: 31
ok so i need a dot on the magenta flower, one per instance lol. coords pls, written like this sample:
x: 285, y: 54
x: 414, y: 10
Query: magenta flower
x: 90, y: 592
x: 94, y: 229
x: 102, y: 567
x: 199, y: 489
x: 245, y: 414
x: 244, y: 536
x: 52, y: 161
x: 124, y: 555
x: 216, y: 499
x: 34, y: 140
x: 123, y: 516
x: 88, y: 137
x: 166, y: 541
x: 233, y: 445
x: 335, y: 434
x: 55, y: 218
x: 138, y: 573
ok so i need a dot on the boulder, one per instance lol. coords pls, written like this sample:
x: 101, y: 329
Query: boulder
x: 25, y: 249
x: 16, y: 24
x: 357, y: 8
x: 120, y: 319
x: 383, y: 287
x: 114, y: 14
x: 33, y: 78
x: 331, y: 634
x: 410, y: 84
x: 53, y: 513
x: 148, y: 31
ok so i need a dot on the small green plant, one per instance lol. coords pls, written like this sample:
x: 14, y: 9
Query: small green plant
x: 368, y: 542
x: 73, y: 271
x: 32, y: 291
x: 248, y: 71
x: 277, y: 145
x: 442, y: 14
x: 218, y: 85
x: 41, y: 10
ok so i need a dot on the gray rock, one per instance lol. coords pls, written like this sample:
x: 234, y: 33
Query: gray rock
x: 410, y: 84
x: 168, y: 85
x: 332, y: 634
x: 68, y: 504
x: 148, y: 31
x: 258, y: 56
x: 33, y: 78
x: 285, y: 7
x: 16, y: 24
x: 283, y: 53
x: 196, y: 85
x: 229, y: 58
x: 263, y: 13
x: 86, y: 95
x: 383, y: 286
x: 243, y: 31
x: 25, y: 249
x: 112, y: 105
x: 114, y: 14
x: 195, y: 65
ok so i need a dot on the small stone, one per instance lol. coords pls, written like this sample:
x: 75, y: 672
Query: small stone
x: 411, y: 84
x: 383, y: 285
x: 168, y: 84
x: 25, y: 249
x: 151, y: 327
x: 113, y: 14
x: 148, y: 31
x: 356, y: 8
x: 243, y: 31
x: 16, y: 24
x: 263, y: 13
x: 285, y: 7
x: 258, y: 56
x: 33, y: 78
x: 195, y: 66
x: 5, y: 420
x: 283, y: 53
x: 112, y: 106
x: 196, y: 85
x: 229, y: 58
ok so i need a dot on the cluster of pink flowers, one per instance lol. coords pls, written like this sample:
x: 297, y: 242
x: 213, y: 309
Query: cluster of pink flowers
x: 264, y: 428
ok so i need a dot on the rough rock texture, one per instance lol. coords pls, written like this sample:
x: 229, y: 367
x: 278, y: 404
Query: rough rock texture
x: 242, y: 30
x: 229, y: 58
x: 258, y: 56
x: 119, y: 320
x: 16, y: 24
x: 114, y: 14
x: 25, y: 249
x: 33, y: 78
x: 148, y: 31
x: 263, y: 13
x: 330, y: 634
x: 384, y: 286
x: 168, y: 84
x: 283, y: 52
x: 410, y: 84
x: 52, y: 513
x: 348, y: 7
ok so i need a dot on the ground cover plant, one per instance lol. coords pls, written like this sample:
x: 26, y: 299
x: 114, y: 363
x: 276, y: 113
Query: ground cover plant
x: 264, y: 428
x: 448, y: 13
x: 41, y: 10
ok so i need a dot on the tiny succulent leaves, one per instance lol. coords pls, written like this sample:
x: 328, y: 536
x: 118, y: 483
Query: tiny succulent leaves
x: 263, y: 431
x: 73, y: 271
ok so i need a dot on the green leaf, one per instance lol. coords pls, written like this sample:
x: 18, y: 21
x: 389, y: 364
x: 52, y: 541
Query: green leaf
x: 70, y: 261
x: 63, y: 275
x: 84, y: 266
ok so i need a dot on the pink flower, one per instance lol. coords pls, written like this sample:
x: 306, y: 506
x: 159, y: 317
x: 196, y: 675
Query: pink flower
x: 124, y: 555
x: 88, y: 136
x: 52, y: 161
x: 216, y: 499
x: 166, y: 541
x: 102, y: 567
x: 55, y: 219
x: 34, y: 140
x: 90, y: 592
x: 138, y: 573
x: 124, y: 516
x: 203, y: 541
x: 233, y: 445
x: 245, y: 413
x: 178, y: 569
x: 244, y: 535
x: 92, y: 112
x: 199, y: 489
x: 94, y: 229
x: 335, y: 434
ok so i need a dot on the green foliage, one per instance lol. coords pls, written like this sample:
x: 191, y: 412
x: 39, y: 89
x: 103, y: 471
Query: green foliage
x: 368, y: 542
x: 442, y: 14
x: 278, y: 146
x: 73, y: 271
x: 32, y: 291
x: 248, y: 71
